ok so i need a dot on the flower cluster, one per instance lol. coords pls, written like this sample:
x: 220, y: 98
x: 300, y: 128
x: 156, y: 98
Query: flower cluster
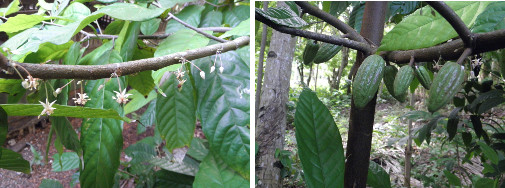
x: 30, y: 83
x: 82, y: 99
x: 121, y: 97
x: 48, y: 109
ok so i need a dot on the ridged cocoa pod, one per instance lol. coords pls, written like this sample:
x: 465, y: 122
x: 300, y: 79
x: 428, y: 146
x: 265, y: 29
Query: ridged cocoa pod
x: 446, y: 84
x: 367, y: 80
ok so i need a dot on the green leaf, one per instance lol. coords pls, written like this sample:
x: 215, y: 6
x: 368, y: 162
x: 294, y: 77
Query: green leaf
x: 48, y: 51
x: 69, y: 161
x: 482, y: 182
x: 175, y: 113
x: 425, y: 132
x: 198, y: 149
x: 143, y: 82
x: 453, y: 179
x: 21, y: 22
x: 214, y: 172
x: 319, y: 143
x: 67, y: 111
x: 421, y: 31
x: 165, y: 178
x: 292, y: 5
x: 127, y: 40
x: 149, y: 27
x: 75, y: 11
x: 489, y: 152
x: 188, y: 166
x: 66, y: 134
x: 73, y: 55
x: 148, y: 118
x: 241, y: 30
x: 11, y: 160
x: 101, y: 139
x: 452, y: 123
x: 283, y: 16
x: 236, y: 15
x: 377, y: 176
x: 50, y: 183
x: 171, y: 3
x: 11, y: 86
x: 493, y: 18
x: 356, y: 16
x: 190, y: 14
x: 138, y: 101
x: 223, y: 104
x: 98, y: 56
x: 157, y: 75
x: 140, y: 152
x: 4, y: 127
x: 12, y: 8
x: 130, y: 12
x: 212, y: 19
x: 173, y: 44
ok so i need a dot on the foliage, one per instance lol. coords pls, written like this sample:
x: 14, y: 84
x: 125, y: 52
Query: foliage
x: 177, y: 97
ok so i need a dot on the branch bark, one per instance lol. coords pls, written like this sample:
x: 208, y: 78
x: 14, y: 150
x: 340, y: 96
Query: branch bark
x: 455, y: 21
x: 330, y: 19
x: 91, y: 72
x: 361, y: 46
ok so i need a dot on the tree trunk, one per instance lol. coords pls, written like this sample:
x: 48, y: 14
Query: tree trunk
x: 271, y: 122
x: 361, y: 121
x: 260, y: 64
x: 300, y: 71
x: 310, y: 75
x: 345, y: 61
x: 408, y: 148
x: 315, y: 78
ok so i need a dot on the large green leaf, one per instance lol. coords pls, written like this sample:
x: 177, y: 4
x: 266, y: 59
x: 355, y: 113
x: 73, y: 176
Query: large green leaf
x: 173, y: 44
x: 73, y: 55
x: 214, y: 172
x: 165, y: 178
x: 223, y: 104
x: 66, y: 134
x: 198, y: 149
x: 50, y: 183
x: 377, y: 176
x: 188, y: 166
x: 319, y: 143
x: 11, y: 160
x: 493, y: 18
x: 148, y: 118
x: 11, y: 86
x: 4, y: 127
x: 282, y: 16
x: 241, y: 30
x: 171, y: 3
x: 212, y: 19
x: 67, y: 111
x: 489, y: 152
x: 21, y: 22
x: 149, y: 27
x: 127, y: 40
x: 48, y: 51
x: 175, y: 113
x: 190, y: 14
x: 138, y: 101
x: 75, y: 11
x: 131, y: 12
x: 101, y: 138
x: 234, y: 16
x: 356, y: 17
x: 69, y: 161
x: 426, y: 30
x: 98, y: 56
x: 140, y: 152
x: 143, y: 82
x: 12, y: 8
x: 453, y: 179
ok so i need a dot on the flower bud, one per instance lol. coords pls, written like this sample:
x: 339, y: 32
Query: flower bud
x: 212, y: 69
x: 202, y: 74
x: 221, y: 69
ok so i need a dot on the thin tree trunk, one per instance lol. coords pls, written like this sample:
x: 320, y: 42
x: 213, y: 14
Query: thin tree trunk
x: 259, y: 79
x: 271, y: 122
x: 345, y: 61
x: 361, y: 121
x: 408, y: 149
x: 310, y: 75
x: 300, y: 71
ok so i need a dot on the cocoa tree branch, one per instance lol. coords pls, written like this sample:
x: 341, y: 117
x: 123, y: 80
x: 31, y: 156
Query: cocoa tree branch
x: 361, y: 46
x: 483, y: 42
x: 330, y: 19
x: 159, y: 36
x: 196, y: 29
x: 91, y: 72
x: 445, y: 11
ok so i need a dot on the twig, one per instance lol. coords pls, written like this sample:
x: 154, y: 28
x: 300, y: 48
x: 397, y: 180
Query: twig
x: 196, y: 29
x: 330, y: 19
x: 259, y: 79
x: 361, y: 46
x: 454, y: 20
x: 90, y: 72
x: 464, y: 55
x: 159, y: 36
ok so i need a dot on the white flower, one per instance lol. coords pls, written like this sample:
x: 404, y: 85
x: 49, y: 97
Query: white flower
x: 58, y: 91
x: 212, y: 69
x: 179, y: 73
x: 202, y: 74
x: 30, y: 83
x: 121, y: 97
x: 47, y: 108
x: 221, y: 69
x: 83, y: 98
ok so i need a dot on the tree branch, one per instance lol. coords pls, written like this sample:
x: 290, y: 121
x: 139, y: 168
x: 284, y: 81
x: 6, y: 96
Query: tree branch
x: 196, y: 29
x: 483, y: 42
x: 330, y: 19
x: 455, y: 21
x: 316, y: 36
x: 159, y: 36
x: 90, y: 72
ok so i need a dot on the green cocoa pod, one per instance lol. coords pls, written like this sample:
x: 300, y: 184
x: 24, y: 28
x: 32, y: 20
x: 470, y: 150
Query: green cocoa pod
x: 423, y: 76
x: 445, y: 85
x: 389, y: 79
x: 326, y: 52
x: 403, y: 80
x: 310, y: 51
x: 367, y: 80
